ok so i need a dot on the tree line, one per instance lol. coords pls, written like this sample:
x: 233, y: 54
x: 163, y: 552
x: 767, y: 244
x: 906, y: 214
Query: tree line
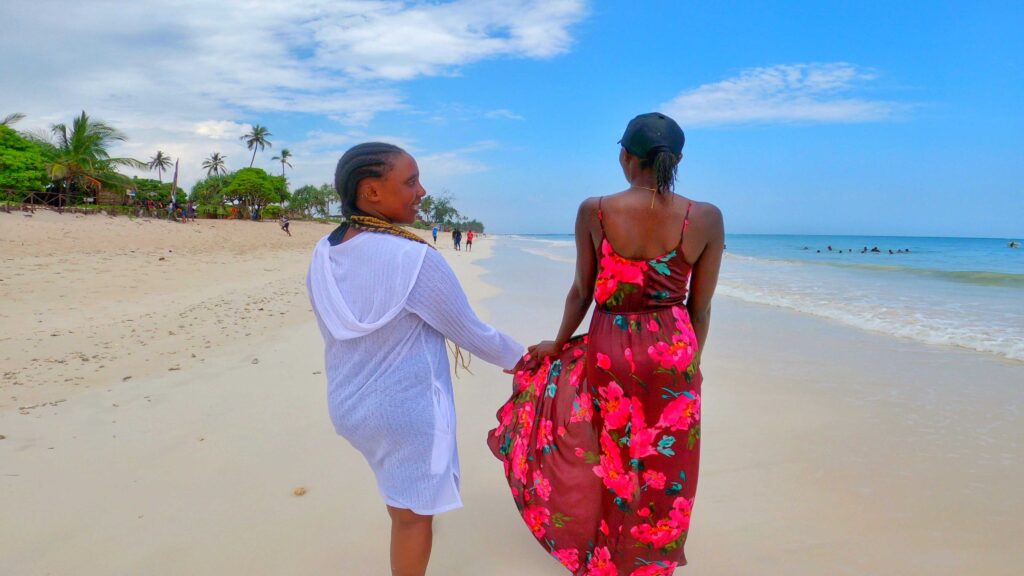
x: 70, y: 164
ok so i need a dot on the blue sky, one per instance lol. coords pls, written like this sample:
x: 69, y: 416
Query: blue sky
x: 833, y: 118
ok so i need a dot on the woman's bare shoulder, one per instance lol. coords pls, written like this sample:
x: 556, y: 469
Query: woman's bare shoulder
x: 705, y: 213
x: 589, y: 206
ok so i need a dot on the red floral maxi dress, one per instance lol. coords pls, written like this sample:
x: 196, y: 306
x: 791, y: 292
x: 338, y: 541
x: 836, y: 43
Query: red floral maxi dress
x: 601, y: 443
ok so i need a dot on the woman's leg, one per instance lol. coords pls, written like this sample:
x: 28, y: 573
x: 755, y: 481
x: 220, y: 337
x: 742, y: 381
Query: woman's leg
x: 411, y: 538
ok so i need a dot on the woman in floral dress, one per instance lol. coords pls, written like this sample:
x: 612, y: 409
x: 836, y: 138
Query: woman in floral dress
x: 601, y: 437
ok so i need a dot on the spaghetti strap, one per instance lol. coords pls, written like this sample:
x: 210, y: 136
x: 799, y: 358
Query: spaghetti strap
x: 686, y: 223
x: 600, y: 217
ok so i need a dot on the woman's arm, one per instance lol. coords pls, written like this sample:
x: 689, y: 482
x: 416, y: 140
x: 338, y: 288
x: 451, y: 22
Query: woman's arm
x: 438, y: 298
x: 704, y: 278
x: 577, y: 301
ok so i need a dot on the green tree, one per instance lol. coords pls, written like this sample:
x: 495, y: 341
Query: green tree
x: 283, y: 158
x: 22, y: 166
x: 474, y: 225
x: 256, y: 139
x: 160, y: 162
x: 427, y: 209
x: 312, y: 200
x: 78, y: 157
x: 215, y: 164
x: 442, y: 209
x: 254, y: 188
x: 210, y: 190
x: 149, y: 189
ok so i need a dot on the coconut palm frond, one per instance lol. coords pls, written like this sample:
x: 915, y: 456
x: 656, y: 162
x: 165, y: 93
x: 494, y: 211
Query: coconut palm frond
x: 12, y: 119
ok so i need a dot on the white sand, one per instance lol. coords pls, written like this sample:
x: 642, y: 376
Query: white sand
x: 826, y: 450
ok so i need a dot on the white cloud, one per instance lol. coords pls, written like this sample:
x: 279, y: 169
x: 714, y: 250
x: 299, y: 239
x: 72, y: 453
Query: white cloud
x: 186, y: 77
x: 454, y: 162
x: 504, y: 113
x: 221, y: 129
x: 817, y: 93
x: 397, y: 41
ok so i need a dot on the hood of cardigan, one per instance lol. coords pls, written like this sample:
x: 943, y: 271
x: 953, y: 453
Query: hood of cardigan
x: 363, y: 283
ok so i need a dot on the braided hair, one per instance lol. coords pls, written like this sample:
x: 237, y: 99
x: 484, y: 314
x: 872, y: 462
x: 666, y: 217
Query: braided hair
x: 367, y: 160
x: 664, y: 163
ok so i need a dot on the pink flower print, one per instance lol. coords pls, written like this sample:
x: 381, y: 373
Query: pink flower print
x: 629, y: 358
x: 541, y: 485
x: 657, y: 535
x: 601, y: 563
x: 610, y: 470
x: 561, y: 431
x: 603, y: 361
x: 676, y: 356
x: 569, y: 557
x: 653, y: 326
x: 654, y: 479
x: 641, y: 442
x: 582, y: 409
x: 520, y: 464
x: 655, y: 569
x: 504, y: 419
x: 604, y: 528
x: 681, y: 412
x: 604, y: 288
x: 614, y: 408
x: 615, y: 270
x: 680, y: 513
x: 682, y: 318
x: 577, y: 372
x: 526, y: 417
x: 577, y: 353
x: 537, y: 519
x: 544, y: 437
x: 579, y: 452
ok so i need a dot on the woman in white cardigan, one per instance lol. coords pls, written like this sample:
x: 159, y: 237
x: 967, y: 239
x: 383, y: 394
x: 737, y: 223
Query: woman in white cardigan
x: 385, y: 302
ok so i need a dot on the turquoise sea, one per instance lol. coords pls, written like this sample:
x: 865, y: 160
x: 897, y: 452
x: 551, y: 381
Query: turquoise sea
x: 964, y: 292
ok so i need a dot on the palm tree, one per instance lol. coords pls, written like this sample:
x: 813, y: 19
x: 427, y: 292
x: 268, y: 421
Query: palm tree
x: 12, y: 118
x: 256, y: 139
x: 80, y: 155
x: 285, y: 155
x: 160, y: 162
x: 215, y: 164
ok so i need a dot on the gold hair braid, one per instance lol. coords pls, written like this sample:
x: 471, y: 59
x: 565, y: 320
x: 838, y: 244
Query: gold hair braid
x: 373, y: 224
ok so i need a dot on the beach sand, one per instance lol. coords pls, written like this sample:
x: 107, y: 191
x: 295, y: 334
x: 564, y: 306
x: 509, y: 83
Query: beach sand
x: 162, y: 399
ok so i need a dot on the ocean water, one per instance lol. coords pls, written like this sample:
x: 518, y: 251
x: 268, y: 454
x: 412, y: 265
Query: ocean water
x: 964, y: 292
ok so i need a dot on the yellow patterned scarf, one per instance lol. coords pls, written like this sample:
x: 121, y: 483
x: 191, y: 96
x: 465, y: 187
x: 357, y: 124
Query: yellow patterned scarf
x: 374, y: 224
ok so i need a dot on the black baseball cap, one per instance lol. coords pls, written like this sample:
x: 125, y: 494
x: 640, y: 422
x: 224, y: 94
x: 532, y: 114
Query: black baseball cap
x: 649, y: 132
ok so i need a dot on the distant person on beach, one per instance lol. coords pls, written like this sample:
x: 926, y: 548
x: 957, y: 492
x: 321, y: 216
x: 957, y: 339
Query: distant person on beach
x: 469, y: 240
x: 434, y: 232
x: 458, y: 239
x: 385, y: 301
x: 601, y: 437
x: 285, y: 223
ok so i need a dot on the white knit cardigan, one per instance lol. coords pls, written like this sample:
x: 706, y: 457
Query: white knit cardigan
x: 385, y: 306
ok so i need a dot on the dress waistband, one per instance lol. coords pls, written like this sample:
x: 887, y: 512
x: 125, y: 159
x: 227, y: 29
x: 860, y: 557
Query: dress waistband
x: 638, y: 312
